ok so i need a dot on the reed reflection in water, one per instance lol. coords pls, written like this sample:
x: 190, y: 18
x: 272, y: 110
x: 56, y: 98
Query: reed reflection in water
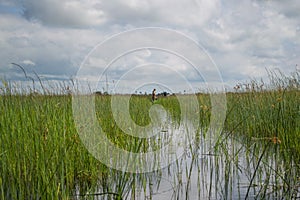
x: 231, y: 168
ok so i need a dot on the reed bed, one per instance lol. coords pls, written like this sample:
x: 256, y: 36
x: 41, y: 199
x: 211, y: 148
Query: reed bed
x: 42, y: 157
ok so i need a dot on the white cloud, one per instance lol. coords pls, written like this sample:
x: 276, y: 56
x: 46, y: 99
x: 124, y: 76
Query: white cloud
x: 252, y: 36
x: 243, y: 38
x: 54, y: 51
x: 157, y: 13
x: 28, y: 62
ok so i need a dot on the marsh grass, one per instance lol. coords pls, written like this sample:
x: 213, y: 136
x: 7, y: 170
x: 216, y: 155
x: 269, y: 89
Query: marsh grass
x: 42, y: 156
x: 268, y: 114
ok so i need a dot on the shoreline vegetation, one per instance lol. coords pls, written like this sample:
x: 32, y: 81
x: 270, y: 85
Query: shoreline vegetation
x: 42, y: 157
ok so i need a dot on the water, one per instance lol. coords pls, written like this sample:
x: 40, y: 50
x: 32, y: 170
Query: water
x: 227, y: 174
x: 232, y: 168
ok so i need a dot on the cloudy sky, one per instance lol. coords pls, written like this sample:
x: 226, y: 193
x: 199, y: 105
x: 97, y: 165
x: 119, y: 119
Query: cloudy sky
x: 242, y: 38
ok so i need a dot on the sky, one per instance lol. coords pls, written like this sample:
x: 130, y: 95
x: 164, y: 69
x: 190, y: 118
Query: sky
x: 55, y: 40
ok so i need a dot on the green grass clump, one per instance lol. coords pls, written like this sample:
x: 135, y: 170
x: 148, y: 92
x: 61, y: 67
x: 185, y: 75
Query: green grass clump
x: 41, y: 153
x: 271, y: 113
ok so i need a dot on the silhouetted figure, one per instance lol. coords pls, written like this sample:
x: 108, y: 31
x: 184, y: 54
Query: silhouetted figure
x: 154, y: 97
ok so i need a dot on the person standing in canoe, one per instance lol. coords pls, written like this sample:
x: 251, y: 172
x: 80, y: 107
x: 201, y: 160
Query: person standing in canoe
x: 154, y: 97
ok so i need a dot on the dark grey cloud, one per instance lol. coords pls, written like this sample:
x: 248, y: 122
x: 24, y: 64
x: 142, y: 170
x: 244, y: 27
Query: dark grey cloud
x: 91, y: 13
x: 289, y: 8
x: 63, y: 13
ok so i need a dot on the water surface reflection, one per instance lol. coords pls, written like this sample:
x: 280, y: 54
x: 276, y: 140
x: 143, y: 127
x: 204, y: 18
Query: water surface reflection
x: 232, y: 168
